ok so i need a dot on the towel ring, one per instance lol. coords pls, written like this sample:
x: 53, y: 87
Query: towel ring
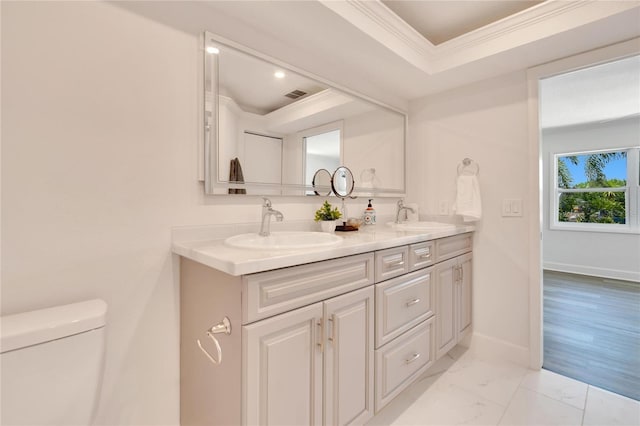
x: 468, y: 165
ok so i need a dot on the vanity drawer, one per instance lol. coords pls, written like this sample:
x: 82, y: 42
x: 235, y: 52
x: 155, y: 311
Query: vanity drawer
x: 391, y: 263
x: 421, y: 255
x: 449, y: 247
x: 269, y: 293
x: 401, y: 303
x: 401, y: 361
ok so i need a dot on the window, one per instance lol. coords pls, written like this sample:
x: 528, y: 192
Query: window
x: 597, y: 190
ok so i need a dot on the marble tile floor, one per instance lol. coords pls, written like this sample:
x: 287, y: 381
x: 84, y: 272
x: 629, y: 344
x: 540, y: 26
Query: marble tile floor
x: 464, y: 389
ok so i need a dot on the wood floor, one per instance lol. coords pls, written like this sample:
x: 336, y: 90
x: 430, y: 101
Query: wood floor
x: 592, y: 331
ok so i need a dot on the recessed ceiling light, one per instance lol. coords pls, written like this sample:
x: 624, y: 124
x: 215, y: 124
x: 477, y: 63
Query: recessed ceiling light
x: 279, y: 74
x: 213, y: 50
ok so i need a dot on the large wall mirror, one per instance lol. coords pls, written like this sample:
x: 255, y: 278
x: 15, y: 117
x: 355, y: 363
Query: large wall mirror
x: 268, y: 128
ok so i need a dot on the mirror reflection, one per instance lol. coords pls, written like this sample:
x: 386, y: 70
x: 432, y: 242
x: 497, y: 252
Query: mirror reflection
x: 278, y: 127
x: 342, y: 182
x: 321, y: 183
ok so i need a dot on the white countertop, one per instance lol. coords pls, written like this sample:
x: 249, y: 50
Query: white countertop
x: 234, y: 261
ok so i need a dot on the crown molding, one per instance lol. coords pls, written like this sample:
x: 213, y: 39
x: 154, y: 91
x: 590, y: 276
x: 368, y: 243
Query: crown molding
x: 528, y: 26
x: 538, y: 22
x: 379, y: 22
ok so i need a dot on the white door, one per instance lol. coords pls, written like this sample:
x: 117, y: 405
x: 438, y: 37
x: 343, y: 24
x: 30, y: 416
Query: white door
x: 349, y: 358
x: 262, y: 160
x: 282, y: 359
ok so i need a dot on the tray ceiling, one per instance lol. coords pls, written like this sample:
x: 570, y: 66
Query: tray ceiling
x: 366, y: 46
x: 440, y: 20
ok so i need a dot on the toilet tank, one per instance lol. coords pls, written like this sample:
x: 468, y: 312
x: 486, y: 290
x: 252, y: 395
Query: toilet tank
x: 51, y: 364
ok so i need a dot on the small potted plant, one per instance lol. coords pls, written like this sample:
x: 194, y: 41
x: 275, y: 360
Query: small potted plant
x: 327, y: 217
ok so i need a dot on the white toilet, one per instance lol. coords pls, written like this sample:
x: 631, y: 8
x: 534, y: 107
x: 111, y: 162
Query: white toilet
x: 51, y: 364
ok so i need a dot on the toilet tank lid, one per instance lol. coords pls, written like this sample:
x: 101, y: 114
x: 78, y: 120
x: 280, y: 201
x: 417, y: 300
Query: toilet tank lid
x: 30, y: 328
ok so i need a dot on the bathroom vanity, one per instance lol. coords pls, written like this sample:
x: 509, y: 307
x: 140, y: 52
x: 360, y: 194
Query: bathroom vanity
x: 320, y: 336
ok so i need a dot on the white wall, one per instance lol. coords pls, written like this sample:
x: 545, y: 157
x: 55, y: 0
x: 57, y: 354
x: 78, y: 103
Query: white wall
x: 611, y: 255
x: 371, y: 143
x: 487, y: 122
x: 99, y: 141
x: 98, y: 137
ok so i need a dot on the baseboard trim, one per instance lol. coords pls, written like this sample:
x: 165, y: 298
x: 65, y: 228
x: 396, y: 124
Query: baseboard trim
x: 615, y: 274
x: 489, y: 347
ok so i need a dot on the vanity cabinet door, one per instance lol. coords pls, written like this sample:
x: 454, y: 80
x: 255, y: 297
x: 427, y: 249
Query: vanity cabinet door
x: 282, y: 361
x: 464, y: 296
x: 348, y: 358
x: 446, y: 278
x: 453, y: 296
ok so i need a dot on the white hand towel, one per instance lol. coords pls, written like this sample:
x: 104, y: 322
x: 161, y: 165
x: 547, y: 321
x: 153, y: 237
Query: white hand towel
x: 468, y: 204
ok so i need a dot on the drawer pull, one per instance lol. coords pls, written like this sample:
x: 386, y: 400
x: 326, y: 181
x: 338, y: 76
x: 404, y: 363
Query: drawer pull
x: 412, y: 359
x: 394, y: 264
x: 424, y: 253
x: 412, y: 302
x: 332, y: 320
x: 320, y: 335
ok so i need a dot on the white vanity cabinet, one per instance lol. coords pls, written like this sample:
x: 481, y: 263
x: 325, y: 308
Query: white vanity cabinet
x: 323, y: 343
x: 453, y: 284
x: 301, y: 350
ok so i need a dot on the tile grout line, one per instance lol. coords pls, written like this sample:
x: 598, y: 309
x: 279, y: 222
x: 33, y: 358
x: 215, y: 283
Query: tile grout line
x: 513, y: 395
x: 584, y: 410
x: 511, y: 399
x: 566, y: 404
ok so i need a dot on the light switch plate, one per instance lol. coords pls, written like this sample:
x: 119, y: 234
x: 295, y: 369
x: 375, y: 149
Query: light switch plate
x: 512, y: 207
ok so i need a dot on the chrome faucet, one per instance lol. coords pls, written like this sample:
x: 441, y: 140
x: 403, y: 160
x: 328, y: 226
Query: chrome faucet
x: 267, y: 212
x: 402, y: 207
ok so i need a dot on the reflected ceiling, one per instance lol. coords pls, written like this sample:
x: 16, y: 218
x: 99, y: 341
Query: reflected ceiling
x: 267, y: 92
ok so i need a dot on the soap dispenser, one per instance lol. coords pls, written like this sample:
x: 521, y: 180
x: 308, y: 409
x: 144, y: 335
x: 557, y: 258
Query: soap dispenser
x: 369, y: 215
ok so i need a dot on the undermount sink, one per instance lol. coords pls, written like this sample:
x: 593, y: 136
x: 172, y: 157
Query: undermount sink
x: 283, y: 240
x: 421, y: 226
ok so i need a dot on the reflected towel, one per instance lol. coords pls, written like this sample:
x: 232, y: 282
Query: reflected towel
x: 468, y: 204
x: 236, y: 176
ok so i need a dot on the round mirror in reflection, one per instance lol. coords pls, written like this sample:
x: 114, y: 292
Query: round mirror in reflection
x: 342, y: 182
x: 322, y: 182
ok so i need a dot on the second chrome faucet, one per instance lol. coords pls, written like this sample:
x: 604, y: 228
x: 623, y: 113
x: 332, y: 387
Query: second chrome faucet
x: 402, y: 207
x: 267, y: 212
